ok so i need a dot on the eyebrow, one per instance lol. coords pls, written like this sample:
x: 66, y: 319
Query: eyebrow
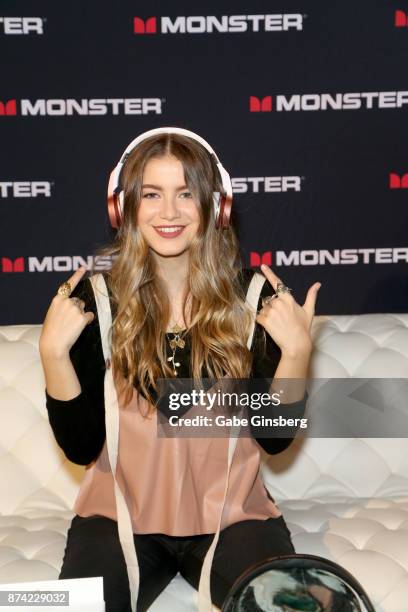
x: 160, y: 188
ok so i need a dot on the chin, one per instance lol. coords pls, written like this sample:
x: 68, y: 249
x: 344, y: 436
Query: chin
x: 169, y: 251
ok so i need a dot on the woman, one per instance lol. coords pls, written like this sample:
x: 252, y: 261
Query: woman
x: 176, y: 295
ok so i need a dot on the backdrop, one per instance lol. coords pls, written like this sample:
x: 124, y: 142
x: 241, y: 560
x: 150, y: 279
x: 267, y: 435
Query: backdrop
x: 305, y: 103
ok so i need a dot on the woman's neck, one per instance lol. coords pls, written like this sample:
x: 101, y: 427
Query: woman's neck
x: 173, y: 272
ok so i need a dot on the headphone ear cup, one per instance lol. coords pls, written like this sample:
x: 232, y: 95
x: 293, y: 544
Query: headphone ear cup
x: 114, y: 210
x: 115, y: 200
x: 224, y: 213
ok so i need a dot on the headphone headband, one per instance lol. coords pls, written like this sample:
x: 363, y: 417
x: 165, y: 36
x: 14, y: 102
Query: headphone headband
x: 222, y: 202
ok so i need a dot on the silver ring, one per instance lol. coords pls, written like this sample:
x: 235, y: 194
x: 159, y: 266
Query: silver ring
x: 281, y: 288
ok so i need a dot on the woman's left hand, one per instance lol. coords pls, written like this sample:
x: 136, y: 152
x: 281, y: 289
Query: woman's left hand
x: 286, y: 321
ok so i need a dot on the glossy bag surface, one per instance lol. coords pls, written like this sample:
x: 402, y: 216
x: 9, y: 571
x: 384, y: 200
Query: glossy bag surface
x: 294, y: 583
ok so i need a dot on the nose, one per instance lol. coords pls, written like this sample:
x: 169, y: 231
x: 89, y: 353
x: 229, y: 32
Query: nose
x: 169, y: 209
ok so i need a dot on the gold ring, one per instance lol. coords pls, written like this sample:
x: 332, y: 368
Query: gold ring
x: 65, y: 289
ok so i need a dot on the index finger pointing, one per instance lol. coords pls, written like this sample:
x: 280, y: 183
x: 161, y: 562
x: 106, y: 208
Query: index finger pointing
x: 271, y: 276
x: 76, y: 277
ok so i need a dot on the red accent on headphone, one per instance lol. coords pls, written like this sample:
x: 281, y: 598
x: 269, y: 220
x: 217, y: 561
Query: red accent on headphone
x: 114, y: 213
x: 224, y: 214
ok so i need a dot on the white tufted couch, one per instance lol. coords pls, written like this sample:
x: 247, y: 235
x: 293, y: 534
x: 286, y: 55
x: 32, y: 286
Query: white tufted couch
x: 343, y: 499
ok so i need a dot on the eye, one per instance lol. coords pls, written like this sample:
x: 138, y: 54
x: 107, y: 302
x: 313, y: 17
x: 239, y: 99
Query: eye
x: 152, y: 193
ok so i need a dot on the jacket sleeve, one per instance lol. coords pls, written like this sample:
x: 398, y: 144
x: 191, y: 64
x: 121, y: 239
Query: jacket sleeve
x: 78, y: 424
x: 266, y: 357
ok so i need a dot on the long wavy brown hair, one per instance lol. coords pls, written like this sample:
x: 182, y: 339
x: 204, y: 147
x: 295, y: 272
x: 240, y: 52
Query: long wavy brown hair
x: 219, y: 316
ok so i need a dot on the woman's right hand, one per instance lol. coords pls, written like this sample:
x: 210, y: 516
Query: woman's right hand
x: 64, y: 322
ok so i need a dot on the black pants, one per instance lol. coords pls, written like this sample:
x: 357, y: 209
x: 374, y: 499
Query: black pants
x: 93, y: 549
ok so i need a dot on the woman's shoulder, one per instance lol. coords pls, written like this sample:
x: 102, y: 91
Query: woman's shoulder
x: 85, y: 287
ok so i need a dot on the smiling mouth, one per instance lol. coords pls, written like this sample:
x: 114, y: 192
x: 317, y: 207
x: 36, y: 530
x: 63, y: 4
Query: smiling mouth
x: 169, y: 231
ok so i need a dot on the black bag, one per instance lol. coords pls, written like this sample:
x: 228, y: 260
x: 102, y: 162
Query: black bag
x: 297, y: 583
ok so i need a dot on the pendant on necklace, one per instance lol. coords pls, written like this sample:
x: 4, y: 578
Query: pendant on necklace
x: 174, y: 343
x: 177, y: 342
x: 175, y: 364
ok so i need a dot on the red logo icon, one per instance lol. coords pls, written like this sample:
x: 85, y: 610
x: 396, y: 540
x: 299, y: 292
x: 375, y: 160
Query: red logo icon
x: 255, y: 259
x: 144, y: 27
x: 398, y: 182
x: 400, y: 19
x: 256, y: 105
x: 8, y: 108
x: 8, y: 265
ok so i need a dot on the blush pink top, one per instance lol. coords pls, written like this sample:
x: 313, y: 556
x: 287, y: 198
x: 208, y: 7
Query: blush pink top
x: 175, y: 485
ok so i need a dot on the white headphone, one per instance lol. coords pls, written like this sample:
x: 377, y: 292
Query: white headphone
x: 222, y: 203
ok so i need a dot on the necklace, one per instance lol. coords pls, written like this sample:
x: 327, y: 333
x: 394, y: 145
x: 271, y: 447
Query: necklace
x: 176, y: 342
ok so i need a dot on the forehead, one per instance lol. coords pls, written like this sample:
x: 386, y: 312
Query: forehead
x: 164, y: 169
